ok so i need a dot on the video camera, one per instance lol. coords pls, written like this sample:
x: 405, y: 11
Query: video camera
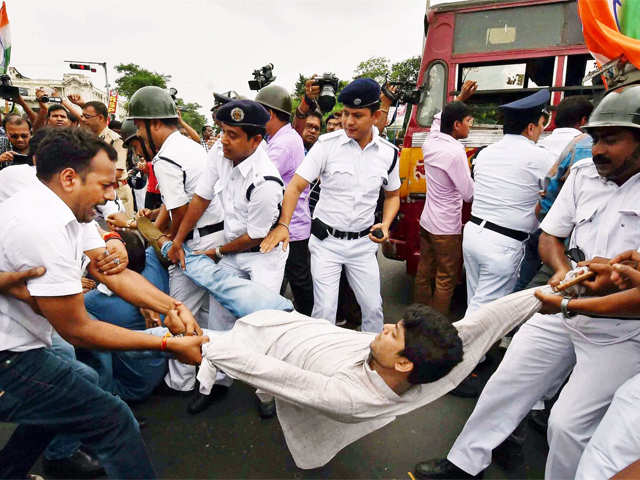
x: 407, y: 92
x: 328, y: 84
x: 262, y: 77
x: 7, y: 90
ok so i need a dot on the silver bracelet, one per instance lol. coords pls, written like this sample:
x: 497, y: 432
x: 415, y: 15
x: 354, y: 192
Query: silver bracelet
x: 564, y: 307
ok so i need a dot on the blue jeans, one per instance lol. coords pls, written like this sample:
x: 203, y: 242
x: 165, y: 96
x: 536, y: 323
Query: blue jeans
x: 530, y: 263
x: 45, y: 396
x: 238, y: 295
x: 132, y: 375
x: 63, y: 446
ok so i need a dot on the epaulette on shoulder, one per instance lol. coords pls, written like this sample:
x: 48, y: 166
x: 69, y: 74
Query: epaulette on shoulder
x: 584, y: 163
x: 330, y: 136
x: 388, y: 143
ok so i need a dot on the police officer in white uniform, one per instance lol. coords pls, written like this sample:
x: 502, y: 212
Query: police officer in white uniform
x: 508, y: 177
x: 178, y: 164
x: 353, y: 165
x: 598, y: 209
x: 246, y: 183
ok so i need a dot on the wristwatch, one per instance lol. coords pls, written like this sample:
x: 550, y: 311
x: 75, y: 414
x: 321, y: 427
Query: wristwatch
x: 564, y: 307
x: 217, y: 253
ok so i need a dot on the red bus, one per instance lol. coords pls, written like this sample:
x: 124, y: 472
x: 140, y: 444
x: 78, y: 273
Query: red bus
x: 511, y: 49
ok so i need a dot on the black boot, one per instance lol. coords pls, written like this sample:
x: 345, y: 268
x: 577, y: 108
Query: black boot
x: 201, y: 402
x: 266, y: 409
x: 441, y: 468
x: 78, y: 465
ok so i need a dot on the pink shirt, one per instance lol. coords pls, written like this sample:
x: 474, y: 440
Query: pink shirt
x: 286, y: 151
x: 448, y: 184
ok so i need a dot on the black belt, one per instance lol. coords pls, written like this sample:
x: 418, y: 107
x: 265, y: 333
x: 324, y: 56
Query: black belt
x: 348, y: 235
x: 213, y: 228
x: 507, y: 232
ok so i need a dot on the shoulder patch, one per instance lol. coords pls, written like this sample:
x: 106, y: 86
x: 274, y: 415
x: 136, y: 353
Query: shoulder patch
x: 329, y: 136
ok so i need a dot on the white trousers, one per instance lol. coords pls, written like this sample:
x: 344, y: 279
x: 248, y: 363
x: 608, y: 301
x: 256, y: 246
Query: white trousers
x: 492, y: 262
x: 361, y: 267
x: 616, y: 442
x: 540, y: 356
x: 198, y: 300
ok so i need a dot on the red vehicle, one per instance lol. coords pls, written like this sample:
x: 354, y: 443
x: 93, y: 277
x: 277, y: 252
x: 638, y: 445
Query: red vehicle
x: 511, y: 49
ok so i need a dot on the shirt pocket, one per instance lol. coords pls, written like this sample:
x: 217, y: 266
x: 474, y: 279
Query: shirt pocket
x: 373, y: 180
x: 629, y: 223
x: 584, y: 234
x: 340, y: 176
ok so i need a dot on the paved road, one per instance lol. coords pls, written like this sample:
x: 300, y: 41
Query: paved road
x: 231, y: 441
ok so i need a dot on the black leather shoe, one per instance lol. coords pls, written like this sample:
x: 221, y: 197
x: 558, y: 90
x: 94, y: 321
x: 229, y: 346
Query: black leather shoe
x: 201, y: 402
x: 266, y: 409
x: 510, y: 454
x: 78, y: 465
x: 441, y: 468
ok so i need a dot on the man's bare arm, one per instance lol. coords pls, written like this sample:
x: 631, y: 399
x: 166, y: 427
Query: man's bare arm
x: 69, y: 317
x: 551, y: 250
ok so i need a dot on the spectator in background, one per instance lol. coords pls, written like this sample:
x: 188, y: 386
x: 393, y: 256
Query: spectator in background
x: 19, y: 133
x: 58, y: 116
x: 95, y: 118
x: 449, y: 183
x: 312, y: 129
x: 334, y: 122
x: 207, y: 137
x: 115, y: 125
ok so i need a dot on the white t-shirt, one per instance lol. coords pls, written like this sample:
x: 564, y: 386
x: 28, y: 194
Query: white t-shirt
x: 40, y: 230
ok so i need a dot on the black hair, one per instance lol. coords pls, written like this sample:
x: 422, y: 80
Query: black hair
x: 99, y: 107
x: 333, y: 116
x: 37, y: 137
x: 204, y: 127
x: 68, y: 148
x: 73, y: 118
x: 431, y: 343
x: 253, y: 131
x: 451, y: 113
x: 55, y: 107
x: 282, y: 116
x: 572, y: 110
x: 516, y: 122
x: 374, y: 107
x: 135, y: 250
x: 317, y: 114
x: 115, y: 124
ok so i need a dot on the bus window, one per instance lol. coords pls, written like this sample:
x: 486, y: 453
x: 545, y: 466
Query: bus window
x: 577, y: 67
x: 530, y: 27
x: 433, y: 93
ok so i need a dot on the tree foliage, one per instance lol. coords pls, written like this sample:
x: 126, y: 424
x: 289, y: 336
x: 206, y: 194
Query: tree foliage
x: 377, y: 68
x: 406, y: 70
x: 191, y: 115
x: 135, y: 77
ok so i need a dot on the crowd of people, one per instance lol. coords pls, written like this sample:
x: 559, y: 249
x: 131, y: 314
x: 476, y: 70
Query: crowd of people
x: 168, y: 254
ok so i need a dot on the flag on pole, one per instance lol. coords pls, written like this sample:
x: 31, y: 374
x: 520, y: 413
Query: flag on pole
x: 609, y: 28
x: 5, y: 40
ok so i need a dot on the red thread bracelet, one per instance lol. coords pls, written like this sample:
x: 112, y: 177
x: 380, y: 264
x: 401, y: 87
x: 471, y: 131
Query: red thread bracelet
x: 111, y: 235
x: 163, y: 345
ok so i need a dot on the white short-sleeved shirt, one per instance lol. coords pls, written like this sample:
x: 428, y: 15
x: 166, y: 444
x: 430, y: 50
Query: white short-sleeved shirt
x: 17, y: 178
x: 508, y: 177
x: 177, y: 181
x: 254, y: 215
x: 558, y: 140
x: 40, y: 230
x: 351, y: 178
x: 603, y: 220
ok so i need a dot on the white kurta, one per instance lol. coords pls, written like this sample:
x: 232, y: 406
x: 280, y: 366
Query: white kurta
x: 327, y: 396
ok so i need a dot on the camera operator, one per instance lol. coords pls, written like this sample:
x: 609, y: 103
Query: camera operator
x: 19, y: 133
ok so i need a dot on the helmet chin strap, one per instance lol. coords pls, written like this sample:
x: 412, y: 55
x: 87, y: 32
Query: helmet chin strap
x: 147, y: 124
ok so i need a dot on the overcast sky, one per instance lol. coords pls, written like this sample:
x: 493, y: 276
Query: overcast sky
x: 212, y: 45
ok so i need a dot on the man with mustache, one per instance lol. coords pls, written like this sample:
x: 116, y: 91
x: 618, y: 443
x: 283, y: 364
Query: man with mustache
x: 598, y: 209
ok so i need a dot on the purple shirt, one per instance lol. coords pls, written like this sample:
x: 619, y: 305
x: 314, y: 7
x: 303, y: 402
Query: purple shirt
x: 448, y: 184
x: 286, y: 151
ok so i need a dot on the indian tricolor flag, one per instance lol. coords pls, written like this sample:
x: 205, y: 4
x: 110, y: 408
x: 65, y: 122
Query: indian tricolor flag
x: 5, y: 39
